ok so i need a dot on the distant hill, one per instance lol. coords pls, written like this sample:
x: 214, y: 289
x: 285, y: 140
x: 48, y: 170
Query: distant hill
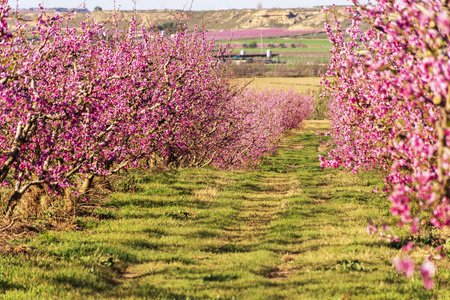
x: 291, y: 19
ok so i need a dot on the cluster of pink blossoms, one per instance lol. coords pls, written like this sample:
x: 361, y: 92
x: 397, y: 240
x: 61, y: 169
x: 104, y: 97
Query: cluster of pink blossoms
x: 390, y: 107
x: 263, y: 116
x: 89, y: 102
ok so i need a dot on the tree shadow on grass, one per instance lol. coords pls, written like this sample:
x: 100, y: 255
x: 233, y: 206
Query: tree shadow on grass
x: 147, y: 202
x: 141, y: 244
x: 220, y: 277
x: 151, y: 291
x: 6, y: 285
x: 155, y: 232
x: 164, y: 177
x: 102, y: 283
x: 229, y: 248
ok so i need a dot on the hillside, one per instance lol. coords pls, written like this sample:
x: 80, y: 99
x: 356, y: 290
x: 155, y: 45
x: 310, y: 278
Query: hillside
x: 293, y: 19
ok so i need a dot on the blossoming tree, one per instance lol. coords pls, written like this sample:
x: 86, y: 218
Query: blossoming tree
x: 390, y: 107
x: 85, y: 103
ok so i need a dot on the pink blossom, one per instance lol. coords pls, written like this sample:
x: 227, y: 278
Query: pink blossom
x: 129, y: 98
x: 427, y: 271
x: 408, y: 247
x: 388, y: 86
x: 371, y: 229
x: 404, y: 266
x: 415, y: 226
x: 441, y: 252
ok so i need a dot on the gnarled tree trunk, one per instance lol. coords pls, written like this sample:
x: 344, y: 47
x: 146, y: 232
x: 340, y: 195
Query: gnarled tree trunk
x: 86, y: 186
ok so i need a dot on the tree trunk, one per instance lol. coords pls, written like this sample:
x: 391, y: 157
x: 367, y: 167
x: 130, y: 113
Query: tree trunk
x: 86, y: 184
x: 69, y: 201
x: 12, y: 203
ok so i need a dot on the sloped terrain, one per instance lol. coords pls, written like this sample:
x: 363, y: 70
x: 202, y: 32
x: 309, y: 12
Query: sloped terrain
x: 293, y: 19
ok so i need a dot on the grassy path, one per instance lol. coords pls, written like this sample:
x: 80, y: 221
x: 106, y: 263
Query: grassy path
x: 288, y: 230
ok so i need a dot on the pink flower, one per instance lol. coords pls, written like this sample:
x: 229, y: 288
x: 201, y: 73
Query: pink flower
x: 408, y: 247
x: 443, y: 22
x: 404, y: 266
x: 435, y: 222
x: 440, y: 252
x: 415, y: 226
x: 427, y: 271
x: 372, y: 229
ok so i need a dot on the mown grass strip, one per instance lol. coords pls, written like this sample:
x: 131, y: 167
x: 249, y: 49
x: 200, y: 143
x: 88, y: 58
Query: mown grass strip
x: 286, y: 230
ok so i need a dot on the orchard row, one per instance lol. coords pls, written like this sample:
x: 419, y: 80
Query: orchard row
x: 76, y: 104
x: 390, y: 109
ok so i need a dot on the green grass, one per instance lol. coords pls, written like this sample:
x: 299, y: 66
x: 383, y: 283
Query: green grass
x: 319, y: 46
x: 291, y: 60
x: 286, y: 230
x: 257, y: 50
x: 311, y: 43
x: 316, y: 52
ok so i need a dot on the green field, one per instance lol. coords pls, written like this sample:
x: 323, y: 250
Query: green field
x: 317, y: 50
x: 281, y: 50
x: 316, y: 54
x: 318, y: 46
x: 311, y: 43
x: 284, y: 230
x: 301, y: 85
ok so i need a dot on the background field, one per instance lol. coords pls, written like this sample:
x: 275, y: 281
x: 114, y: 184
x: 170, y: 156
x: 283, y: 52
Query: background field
x: 307, y: 61
x: 322, y: 44
x: 309, y: 85
x: 304, y: 61
x: 303, y: 85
